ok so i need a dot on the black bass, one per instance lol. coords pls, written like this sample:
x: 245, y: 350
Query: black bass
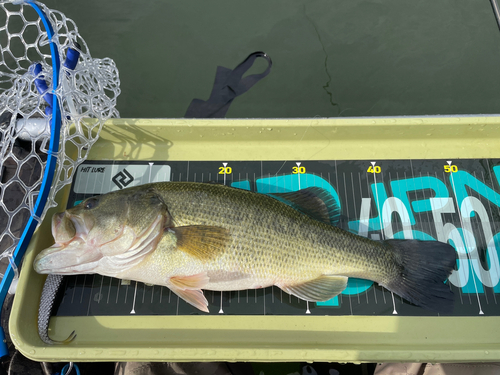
x: 193, y: 236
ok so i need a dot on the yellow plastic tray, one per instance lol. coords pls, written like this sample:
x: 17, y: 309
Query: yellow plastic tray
x: 268, y: 338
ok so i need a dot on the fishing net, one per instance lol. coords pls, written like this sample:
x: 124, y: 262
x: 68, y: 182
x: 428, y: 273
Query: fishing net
x: 44, y: 81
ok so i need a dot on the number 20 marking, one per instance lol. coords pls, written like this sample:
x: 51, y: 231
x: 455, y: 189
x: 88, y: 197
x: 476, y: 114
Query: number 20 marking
x: 450, y: 168
x: 225, y: 170
x: 298, y: 170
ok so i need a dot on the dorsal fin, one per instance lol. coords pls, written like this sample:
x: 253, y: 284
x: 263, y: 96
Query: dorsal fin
x: 313, y: 201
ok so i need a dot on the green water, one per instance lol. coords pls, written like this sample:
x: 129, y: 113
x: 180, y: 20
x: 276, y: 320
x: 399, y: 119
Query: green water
x: 331, y: 58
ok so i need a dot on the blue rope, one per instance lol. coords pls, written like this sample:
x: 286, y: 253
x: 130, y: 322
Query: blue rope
x: 48, y: 176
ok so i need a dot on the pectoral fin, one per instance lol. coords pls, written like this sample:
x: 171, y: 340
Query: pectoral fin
x: 189, y: 289
x: 321, y: 289
x: 201, y: 241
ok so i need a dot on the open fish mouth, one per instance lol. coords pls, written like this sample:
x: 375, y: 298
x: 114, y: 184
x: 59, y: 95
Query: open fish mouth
x: 66, y: 228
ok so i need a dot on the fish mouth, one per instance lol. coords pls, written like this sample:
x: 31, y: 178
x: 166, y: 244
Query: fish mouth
x: 70, y: 254
x: 69, y: 258
x: 75, y: 253
x: 67, y: 227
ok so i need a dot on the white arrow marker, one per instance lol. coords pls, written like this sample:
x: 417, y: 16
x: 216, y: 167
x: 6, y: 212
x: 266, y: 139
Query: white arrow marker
x: 467, y: 244
x: 135, y: 291
x: 298, y: 174
x: 381, y: 225
x: 225, y: 165
x: 135, y: 295
x: 150, y: 170
x: 221, y: 311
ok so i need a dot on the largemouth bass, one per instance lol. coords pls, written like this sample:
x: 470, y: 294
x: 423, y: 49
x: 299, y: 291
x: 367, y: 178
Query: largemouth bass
x: 194, y: 236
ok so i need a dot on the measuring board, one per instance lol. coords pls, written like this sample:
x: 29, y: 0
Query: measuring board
x: 446, y: 200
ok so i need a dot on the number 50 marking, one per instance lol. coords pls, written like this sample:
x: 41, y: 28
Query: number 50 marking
x: 450, y: 168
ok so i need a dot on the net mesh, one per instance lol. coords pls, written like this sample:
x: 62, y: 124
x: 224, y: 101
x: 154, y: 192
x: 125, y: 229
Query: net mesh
x: 86, y: 95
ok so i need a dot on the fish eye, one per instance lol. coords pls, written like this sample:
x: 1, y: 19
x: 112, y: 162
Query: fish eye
x: 91, y: 203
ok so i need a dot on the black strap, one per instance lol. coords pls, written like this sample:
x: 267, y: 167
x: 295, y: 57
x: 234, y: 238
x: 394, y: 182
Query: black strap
x: 228, y: 85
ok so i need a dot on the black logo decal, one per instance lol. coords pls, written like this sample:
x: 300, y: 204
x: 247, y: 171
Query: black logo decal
x: 122, y: 179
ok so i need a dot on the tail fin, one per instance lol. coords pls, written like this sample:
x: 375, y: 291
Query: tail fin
x: 423, y: 268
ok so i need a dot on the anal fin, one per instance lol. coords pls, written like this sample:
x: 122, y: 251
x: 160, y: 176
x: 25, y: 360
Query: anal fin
x: 323, y: 288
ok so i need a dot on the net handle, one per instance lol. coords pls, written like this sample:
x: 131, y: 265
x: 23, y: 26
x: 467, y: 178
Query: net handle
x: 48, y: 175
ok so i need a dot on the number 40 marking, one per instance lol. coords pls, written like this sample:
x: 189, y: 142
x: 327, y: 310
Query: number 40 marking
x: 374, y: 169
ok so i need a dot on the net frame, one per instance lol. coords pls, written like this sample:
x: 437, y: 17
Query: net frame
x: 51, y: 111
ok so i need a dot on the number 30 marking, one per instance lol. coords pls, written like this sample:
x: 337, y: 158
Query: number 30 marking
x: 299, y: 170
